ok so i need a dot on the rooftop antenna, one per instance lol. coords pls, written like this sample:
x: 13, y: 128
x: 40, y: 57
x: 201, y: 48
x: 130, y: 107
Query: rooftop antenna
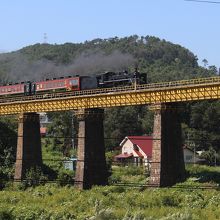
x: 45, y: 38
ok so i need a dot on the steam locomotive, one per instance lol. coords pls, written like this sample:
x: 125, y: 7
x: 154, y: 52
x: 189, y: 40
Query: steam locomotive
x: 73, y: 83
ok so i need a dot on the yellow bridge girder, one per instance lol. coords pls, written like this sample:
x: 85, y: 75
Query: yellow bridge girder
x: 177, y: 91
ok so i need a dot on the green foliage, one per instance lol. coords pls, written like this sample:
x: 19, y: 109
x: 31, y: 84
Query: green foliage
x: 65, y: 177
x: 53, y: 202
x: 8, y: 142
x: 61, y: 131
x: 109, y: 157
x: 204, y: 174
x: 3, y: 178
x: 178, y: 216
x: 124, y: 121
x: 202, y: 129
x: 34, y: 177
x: 6, y: 215
x: 6, y: 175
x: 211, y: 157
x: 128, y: 174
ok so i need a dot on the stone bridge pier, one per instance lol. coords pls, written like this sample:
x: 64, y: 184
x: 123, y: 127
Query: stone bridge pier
x: 28, y: 144
x: 91, y: 166
x: 167, y: 166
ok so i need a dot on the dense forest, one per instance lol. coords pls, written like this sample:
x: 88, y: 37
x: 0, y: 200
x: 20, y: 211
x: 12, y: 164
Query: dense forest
x: 159, y: 59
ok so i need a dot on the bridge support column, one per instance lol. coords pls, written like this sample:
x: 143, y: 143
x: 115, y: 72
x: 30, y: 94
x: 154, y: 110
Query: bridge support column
x: 91, y: 166
x: 167, y: 166
x: 28, y: 145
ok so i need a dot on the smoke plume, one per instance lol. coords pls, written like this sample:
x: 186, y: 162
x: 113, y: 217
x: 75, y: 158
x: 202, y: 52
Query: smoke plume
x: 87, y: 63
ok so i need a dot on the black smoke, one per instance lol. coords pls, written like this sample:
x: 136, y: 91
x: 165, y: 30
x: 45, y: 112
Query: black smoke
x: 21, y: 68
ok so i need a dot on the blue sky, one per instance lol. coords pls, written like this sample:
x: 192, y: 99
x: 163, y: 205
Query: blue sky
x: 191, y: 24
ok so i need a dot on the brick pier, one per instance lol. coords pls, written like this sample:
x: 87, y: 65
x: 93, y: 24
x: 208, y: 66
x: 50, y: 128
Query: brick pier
x: 167, y: 166
x: 91, y: 166
x: 28, y: 145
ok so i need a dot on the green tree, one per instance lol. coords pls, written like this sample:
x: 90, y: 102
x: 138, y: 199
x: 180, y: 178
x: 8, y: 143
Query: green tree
x: 121, y: 122
x: 8, y: 142
x: 61, y: 131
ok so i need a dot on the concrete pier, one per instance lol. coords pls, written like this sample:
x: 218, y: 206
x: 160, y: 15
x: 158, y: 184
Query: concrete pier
x: 28, y: 145
x: 91, y: 166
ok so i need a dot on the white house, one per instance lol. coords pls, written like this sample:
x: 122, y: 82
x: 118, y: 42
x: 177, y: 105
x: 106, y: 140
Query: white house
x: 137, y: 149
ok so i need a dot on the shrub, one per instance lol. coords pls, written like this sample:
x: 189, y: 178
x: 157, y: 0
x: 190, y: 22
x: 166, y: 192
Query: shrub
x: 65, y: 177
x: 6, y: 174
x: 34, y: 177
x: 6, y: 215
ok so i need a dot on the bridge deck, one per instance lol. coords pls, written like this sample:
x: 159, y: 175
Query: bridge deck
x: 175, y: 91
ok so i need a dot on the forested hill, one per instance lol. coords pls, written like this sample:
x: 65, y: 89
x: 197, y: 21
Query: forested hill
x: 161, y: 60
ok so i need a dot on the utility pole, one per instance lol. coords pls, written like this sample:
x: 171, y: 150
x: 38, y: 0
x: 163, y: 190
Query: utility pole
x: 192, y: 145
x: 194, y: 154
x: 215, y: 157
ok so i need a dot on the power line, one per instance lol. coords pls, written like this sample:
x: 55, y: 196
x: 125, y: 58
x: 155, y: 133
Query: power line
x: 213, y: 2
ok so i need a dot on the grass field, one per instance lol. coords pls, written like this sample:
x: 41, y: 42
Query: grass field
x: 183, y: 202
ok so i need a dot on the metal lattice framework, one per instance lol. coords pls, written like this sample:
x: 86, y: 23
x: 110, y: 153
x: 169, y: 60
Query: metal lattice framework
x: 176, y: 91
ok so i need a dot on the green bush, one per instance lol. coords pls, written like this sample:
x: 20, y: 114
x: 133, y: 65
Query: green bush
x: 127, y: 174
x: 6, y: 174
x: 34, y: 177
x: 65, y: 177
x: 204, y: 174
x: 6, y: 215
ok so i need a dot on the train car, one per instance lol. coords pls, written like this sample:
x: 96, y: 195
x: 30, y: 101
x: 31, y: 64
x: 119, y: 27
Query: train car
x: 62, y: 84
x: 66, y: 84
x: 53, y: 85
x: 10, y: 89
x: 23, y: 88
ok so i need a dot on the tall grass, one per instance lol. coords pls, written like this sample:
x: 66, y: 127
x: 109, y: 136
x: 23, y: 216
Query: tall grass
x: 52, y: 201
x: 110, y: 202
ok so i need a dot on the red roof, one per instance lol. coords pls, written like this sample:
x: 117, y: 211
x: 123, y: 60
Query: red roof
x: 144, y: 142
x: 124, y: 156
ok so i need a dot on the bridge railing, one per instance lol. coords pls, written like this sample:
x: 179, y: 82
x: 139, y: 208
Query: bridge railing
x: 190, y: 82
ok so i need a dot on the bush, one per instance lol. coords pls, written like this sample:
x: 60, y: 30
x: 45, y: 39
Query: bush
x: 6, y: 215
x: 34, y: 177
x: 6, y: 174
x: 65, y: 177
x: 204, y: 173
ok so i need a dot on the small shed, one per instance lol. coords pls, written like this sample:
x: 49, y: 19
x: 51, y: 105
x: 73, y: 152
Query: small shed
x: 191, y: 156
x: 70, y: 163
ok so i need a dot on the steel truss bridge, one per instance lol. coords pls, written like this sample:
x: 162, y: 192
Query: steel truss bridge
x: 175, y: 91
